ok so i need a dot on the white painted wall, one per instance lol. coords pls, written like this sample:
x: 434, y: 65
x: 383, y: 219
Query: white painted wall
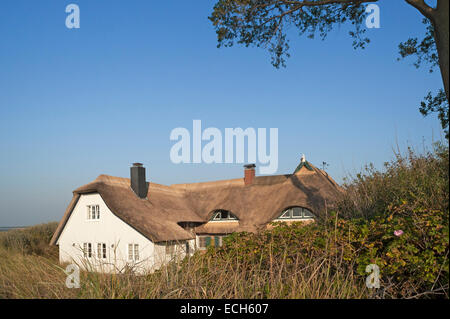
x: 117, y: 234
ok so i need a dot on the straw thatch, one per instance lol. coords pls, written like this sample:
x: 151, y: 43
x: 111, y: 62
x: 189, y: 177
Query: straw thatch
x: 166, y: 209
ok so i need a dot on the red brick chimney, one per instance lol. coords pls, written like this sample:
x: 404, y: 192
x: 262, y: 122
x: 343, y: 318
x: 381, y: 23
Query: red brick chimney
x: 249, y: 174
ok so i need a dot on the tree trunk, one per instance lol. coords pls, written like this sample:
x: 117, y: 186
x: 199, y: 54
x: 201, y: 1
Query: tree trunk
x: 441, y: 35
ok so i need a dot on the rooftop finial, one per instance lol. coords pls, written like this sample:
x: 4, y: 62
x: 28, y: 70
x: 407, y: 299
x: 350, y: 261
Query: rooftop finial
x: 303, y: 159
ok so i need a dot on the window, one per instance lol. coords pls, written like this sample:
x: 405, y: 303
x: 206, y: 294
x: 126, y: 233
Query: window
x: 223, y: 215
x: 136, y: 252
x: 93, y: 212
x: 130, y: 252
x: 206, y: 241
x: 87, y: 250
x: 101, y: 251
x: 296, y: 213
x: 217, y: 241
x: 307, y: 214
x: 286, y: 214
x: 133, y: 252
x: 202, y: 242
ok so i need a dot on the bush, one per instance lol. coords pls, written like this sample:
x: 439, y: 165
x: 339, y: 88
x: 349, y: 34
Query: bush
x: 421, y: 180
x: 399, y: 220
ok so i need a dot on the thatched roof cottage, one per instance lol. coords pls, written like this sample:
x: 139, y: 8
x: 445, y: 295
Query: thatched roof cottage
x: 114, y: 223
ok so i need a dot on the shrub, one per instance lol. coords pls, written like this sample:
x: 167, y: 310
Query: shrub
x: 422, y: 180
x: 410, y: 197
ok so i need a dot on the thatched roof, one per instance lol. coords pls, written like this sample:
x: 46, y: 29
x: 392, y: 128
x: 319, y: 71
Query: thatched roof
x: 158, y: 217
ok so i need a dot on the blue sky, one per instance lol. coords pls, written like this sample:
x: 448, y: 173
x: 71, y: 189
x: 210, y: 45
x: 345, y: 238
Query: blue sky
x: 75, y: 104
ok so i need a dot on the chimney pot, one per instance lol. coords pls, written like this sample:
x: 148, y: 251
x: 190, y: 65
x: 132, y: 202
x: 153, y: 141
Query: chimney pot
x: 249, y: 174
x: 138, y: 182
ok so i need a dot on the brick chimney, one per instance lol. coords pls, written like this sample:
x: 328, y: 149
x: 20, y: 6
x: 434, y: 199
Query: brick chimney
x: 138, y: 183
x: 249, y: 174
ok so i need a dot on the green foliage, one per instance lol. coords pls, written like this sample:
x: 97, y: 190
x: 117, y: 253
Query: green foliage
x: 425, y: 51
x: 264, y: 23
x: 413, y: 262
x: 437, y: 104
x: 419, y: 179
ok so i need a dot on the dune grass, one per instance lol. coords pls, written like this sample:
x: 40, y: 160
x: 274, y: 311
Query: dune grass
x: 205, y: 275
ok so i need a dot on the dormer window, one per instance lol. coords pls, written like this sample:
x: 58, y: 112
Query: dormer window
x: 294, y: 213
x: 223, y: 215
x: 93, y: 212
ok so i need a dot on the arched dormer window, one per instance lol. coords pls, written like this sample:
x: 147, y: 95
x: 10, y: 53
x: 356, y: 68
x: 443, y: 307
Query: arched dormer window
x: 222, y: 215
x: 295, y: 213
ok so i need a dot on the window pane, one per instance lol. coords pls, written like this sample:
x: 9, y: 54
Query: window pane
x: 286, y: 214
x: 296, y: 212
x: 130, y: 251
x: 208, y: 241
x: 202, y: 242
x: 104, y: 250
x: 136, y: 252
x: 307, y: 213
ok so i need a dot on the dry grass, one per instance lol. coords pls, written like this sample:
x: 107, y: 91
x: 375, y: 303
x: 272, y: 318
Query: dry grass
x: 201, y: 276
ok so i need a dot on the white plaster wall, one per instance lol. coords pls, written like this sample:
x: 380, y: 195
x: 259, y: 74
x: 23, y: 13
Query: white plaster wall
x: 111, y: 230
x: 178, y: 252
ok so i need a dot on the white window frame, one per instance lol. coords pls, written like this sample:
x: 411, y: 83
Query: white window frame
x: 101, y: 251
x: 133, y: 252
x: 291, y: 214
x: 87, y: 250
x: 93, y: 212
x: 231, y: 217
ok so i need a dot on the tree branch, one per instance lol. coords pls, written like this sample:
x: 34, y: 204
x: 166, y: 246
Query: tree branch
x: 298, y: 5
x: 425, y: 9
x: 324, y: 2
